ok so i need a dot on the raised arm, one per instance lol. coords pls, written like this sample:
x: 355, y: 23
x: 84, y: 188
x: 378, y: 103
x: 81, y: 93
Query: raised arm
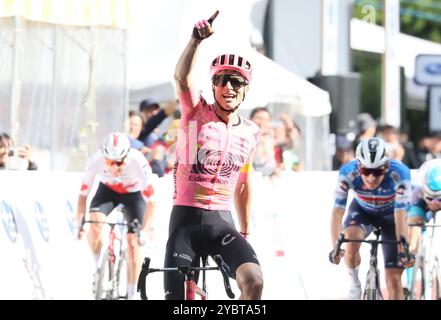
x: 201, y: 31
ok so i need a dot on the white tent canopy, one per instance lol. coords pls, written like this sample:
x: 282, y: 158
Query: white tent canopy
x: 159, y: 32
x: 153, y: 76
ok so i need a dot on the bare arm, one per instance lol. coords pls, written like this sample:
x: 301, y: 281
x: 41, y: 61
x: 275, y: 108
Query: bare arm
x: 336, y: 221
x: 242, y: 201
x: 201, y: 31
x: 400, y: 218
x: 185, y: 65
x: 149, y: 214
x: 81, y: 208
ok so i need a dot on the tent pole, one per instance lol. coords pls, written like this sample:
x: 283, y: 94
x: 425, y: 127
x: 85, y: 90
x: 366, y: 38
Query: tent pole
x: 54, y: 96
x: 15, y: 87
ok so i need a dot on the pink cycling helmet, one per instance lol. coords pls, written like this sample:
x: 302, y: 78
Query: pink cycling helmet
x: 231, y: 62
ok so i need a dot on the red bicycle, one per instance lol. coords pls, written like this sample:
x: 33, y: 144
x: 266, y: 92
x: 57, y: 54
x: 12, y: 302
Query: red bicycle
x: 192, y: 289
x: 110, y: 282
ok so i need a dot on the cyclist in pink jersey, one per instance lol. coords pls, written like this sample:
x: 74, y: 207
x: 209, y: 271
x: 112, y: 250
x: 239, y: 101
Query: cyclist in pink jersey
x: 124, y: 180
x: 213, y: 167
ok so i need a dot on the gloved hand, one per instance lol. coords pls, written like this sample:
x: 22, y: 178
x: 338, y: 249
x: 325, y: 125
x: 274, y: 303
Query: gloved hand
x: 406, y: 261
x: 336, y: 259
x: 202, y: 29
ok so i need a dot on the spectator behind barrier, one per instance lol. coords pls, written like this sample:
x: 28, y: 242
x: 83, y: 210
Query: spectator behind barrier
x: 18, y: 158
x: 264, y: 158
x: 366, y: 128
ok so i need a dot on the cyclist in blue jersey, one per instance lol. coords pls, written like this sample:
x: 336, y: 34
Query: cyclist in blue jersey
x: 426, y: 199
x: 382, y: 196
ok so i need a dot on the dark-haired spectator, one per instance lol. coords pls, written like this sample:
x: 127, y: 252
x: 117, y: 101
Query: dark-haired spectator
x: 264, y: 158
x: 398, y: 151
x: 136, y: 123
x: 153, y: 116
x: 366, y: 127
x: 428, y: 147
x: 18, y: 158
x: 343, y: 151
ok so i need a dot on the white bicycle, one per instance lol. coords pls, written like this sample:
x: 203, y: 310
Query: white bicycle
x: 425, y: 281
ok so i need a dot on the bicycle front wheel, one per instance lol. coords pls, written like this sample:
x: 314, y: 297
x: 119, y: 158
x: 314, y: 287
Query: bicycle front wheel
x: 417, y: 287
x: 121, y: 277
x: 372, y: 289
x: 436, y: 295
x: 105, y: 281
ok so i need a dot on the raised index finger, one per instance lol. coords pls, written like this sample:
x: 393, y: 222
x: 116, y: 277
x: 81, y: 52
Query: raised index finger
x: 213, y: 17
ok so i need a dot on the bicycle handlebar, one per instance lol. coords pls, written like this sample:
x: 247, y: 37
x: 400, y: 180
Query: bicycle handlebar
x: 185, y: 270
x: 224, y: 269
x: 342, y: 239
x: 425, y: 225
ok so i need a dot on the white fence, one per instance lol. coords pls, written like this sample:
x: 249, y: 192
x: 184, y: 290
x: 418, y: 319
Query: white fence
x: 41, y: 259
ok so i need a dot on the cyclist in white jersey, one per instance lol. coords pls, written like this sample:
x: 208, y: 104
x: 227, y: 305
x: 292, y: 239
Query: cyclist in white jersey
x: 124, y: 179
x: 213, y: 164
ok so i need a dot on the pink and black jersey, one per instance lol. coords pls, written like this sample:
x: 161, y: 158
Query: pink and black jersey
x: 210, y: 155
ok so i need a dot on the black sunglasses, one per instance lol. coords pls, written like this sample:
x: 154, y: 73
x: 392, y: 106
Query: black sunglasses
x: 117, y: 163
x: 236, y: 81
x: 430, y: 199
x: 377, y: 172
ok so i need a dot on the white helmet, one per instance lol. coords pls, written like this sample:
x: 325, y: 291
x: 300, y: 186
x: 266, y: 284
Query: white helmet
x: 372, y: 153
x: 116, y: 146
x: 432, y: 182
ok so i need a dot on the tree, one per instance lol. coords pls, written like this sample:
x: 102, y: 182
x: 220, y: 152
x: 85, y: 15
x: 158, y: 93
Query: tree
x: 419, y: 18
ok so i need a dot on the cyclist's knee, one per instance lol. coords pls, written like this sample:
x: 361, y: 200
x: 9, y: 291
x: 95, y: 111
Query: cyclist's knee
x: 353, y: 233
x: 393, y: 278
x: 95, y: 230
x: 250, y: 280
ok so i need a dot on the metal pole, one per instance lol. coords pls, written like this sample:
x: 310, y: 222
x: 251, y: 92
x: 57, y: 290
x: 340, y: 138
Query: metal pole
x: 126, y: 106
x: 91, y: 97
x: 54, y: 95
x: 390, y: 98
x: 15, y: 87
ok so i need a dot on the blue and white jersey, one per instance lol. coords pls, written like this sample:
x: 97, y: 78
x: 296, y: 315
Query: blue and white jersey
x: 393, y: 194
x: 419, y: 206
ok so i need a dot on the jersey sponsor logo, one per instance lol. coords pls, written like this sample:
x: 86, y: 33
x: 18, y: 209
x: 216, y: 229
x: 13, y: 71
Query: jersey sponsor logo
x: 183, y: 256
x: 8, y: 220
x: 395, y: 176
x: 227, y: 239
x: 376, y: 200
x: 401, y: 189
x: 207, y: 179
x: 344, y: 186
x: 208, y: 162
x: 353, y: 174
x: 354, y: 214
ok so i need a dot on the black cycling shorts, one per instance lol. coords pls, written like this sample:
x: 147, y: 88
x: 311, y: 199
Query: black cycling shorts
x: 195, y: 232
x: 359, y: 218
x: 105, y: 200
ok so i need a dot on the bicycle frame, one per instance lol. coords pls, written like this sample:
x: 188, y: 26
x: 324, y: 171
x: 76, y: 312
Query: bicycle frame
x: 424, y: 280
x: 372, y: 290
x: 109, y: 281
x: 190, y: 283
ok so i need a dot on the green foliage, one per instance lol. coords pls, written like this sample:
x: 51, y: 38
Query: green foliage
x: 419, y: 18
